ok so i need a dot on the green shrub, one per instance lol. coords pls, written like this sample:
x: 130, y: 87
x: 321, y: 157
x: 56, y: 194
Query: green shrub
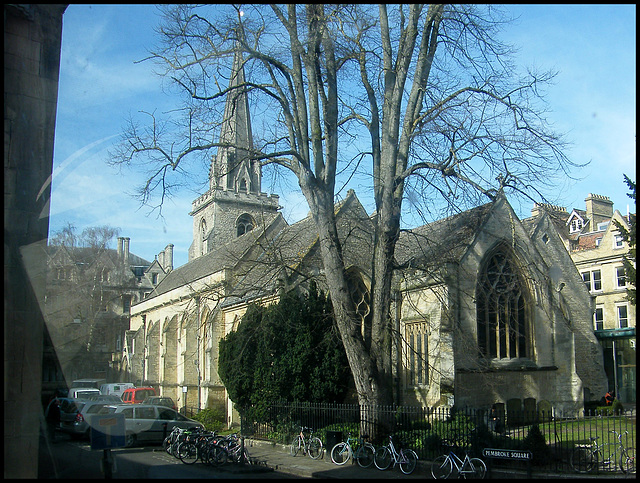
x: 537, y: 444
x: 213, y: 419
x: 617, y: 407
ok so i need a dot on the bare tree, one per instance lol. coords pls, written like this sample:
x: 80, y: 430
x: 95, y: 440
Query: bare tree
x: 424, y: 95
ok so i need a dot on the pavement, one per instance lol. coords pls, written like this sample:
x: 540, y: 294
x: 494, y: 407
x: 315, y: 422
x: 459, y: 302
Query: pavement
x: 268, y: 456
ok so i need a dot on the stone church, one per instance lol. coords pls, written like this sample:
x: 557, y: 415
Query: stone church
x: 487, y: 308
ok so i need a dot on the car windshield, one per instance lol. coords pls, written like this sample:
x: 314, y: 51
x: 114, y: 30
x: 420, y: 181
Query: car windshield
x: 75, y: 407
x: 94, y: 408
x: 107, y: 410
x: 141, y: 395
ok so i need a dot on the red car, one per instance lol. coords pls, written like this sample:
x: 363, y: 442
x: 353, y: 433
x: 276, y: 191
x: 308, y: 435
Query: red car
x: 135, y: 395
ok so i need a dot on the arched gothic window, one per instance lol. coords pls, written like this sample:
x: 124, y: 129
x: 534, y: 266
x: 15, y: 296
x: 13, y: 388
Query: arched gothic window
x: 502, y: 308
x: 244, y: 224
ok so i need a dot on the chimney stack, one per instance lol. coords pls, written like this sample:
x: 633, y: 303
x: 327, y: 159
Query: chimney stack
x: 126, y: 251
x: 168, y: 257
x: 120, y: 248
x: 599, y: 209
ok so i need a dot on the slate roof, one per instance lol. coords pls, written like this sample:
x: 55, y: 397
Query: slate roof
x: 226, y: 256
x: 441, y: 241
x: 259, y: 258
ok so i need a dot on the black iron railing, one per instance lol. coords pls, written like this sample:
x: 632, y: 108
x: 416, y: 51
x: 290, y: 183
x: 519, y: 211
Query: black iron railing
x: 551, y: 437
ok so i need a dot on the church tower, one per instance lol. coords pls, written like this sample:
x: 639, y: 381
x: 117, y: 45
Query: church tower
x: 234, y: 203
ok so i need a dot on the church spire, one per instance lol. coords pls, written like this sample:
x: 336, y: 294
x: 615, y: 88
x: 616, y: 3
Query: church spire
x: 232, y: 168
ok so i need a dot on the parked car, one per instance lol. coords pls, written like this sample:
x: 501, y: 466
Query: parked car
x: 161, y: 401
x: 70, y: 413
x: 81, y: 392
x: 145, y: 423
x: 112, y: 398
x: 80, y: 425
x: 94, y: 383
x: 135, y: 395
x: 116, y: 388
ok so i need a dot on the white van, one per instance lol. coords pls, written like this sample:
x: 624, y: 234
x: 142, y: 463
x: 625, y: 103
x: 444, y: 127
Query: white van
x: 80, y: 392
x: 116, y: 388
x: 88, y: 383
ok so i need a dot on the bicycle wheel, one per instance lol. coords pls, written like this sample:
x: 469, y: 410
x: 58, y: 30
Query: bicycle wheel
x: 628, y: 462
x: 382, y: 458
x: 477, y: 467
x: 296, y: 444
x: 167, y: 445
x: 218, y: 455
x: 188, y: 453
x: 341, y: 453
x: 409, y: 461
x: 441, y: 467
x: 315, y: 448
x: 365, y: 455
x: 583, y: 460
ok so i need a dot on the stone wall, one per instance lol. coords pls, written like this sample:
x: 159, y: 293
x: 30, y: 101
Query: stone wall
x: 32, y: 39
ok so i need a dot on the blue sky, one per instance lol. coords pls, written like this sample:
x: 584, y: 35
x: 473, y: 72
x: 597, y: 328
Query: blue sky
x: 593, y: 101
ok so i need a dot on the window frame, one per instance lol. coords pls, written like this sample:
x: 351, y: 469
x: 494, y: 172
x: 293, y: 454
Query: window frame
x: 416, y: 359
x: 503, y: 309
x: 591, y: 282
x: 619, y: 319
x: 618, y: 241
x: 618, y: 277
x: 244, y: 223
x: 599, y: 308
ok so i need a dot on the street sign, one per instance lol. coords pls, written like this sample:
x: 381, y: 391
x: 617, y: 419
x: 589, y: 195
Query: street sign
x: 107, y: 431
x: 511, y: 454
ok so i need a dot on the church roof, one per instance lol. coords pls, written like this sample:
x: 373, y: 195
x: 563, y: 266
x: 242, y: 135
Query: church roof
x: 441, y: 241
x: 261, y: 257
x: 228, y: 255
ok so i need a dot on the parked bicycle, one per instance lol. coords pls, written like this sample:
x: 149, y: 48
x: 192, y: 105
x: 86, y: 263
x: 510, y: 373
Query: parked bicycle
x: 172, y: 441
x: 442, y: 467
x: 406, y: 458
x: 311, y: 445
x: 236, y: 451
x: 342, y: 452
x: 195, y: 447
x: 604, y: 456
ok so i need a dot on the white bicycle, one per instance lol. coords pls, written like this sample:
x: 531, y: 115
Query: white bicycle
x: 406, y: 458
x: 442, y: 466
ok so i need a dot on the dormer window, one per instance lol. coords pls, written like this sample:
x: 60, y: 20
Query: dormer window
x: 575, y: 223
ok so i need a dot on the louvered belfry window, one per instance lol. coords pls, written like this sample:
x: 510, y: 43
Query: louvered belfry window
x: 502, y: 308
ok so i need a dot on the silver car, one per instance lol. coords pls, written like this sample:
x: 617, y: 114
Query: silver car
x: 80, y: 424
x: 146, y: 423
